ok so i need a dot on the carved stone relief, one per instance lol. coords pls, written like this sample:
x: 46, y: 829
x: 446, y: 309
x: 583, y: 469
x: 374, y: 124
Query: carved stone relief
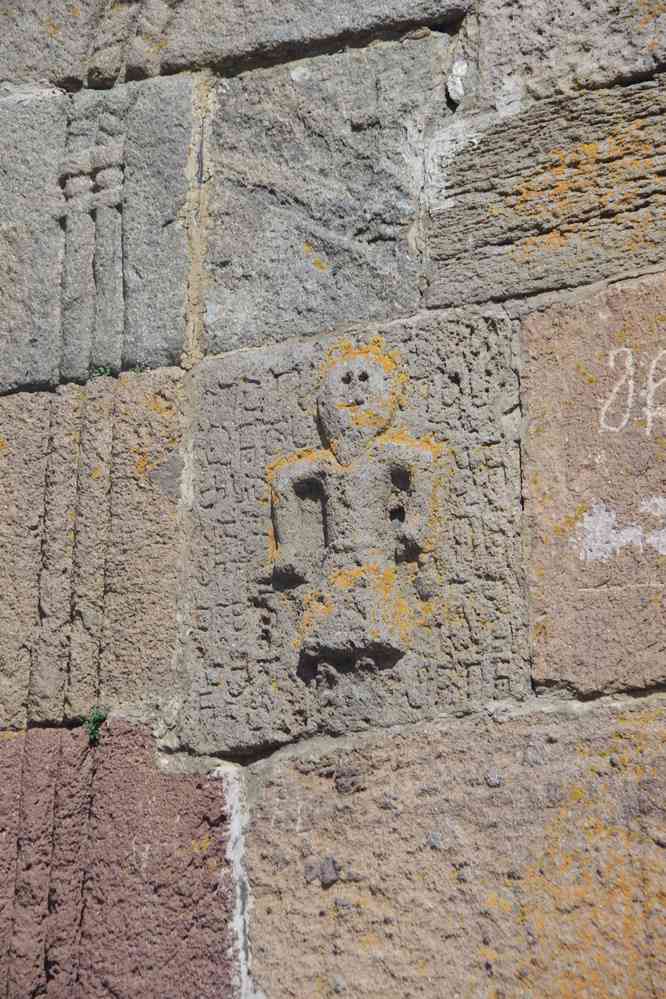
x: 356, y: 514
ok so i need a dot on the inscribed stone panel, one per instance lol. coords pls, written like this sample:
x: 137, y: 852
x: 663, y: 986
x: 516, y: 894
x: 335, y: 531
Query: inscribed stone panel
x: 595, y: 484
x: 355, y: 535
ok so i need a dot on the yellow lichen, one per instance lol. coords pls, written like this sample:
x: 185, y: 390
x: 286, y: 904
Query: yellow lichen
x: 570, y: 522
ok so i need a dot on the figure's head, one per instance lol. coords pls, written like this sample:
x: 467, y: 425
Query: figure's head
x: 356, y: 401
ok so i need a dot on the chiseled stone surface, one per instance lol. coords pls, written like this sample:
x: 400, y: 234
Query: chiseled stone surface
x: 356, y: 518
x: 479, y: 857
x: 91, y: 485
x: 33, y: 123
x: 562, y: 194
x: 314, y: 199
x: 515, y: 50
x: 594, y: 379
x: 95, y: 229
x: 535, y: 48
x: 114, y: 874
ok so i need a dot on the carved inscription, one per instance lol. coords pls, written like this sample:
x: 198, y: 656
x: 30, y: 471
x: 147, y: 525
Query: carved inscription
x: 355, y: 548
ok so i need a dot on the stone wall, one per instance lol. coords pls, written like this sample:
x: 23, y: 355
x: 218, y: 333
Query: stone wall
x: 332, y: 443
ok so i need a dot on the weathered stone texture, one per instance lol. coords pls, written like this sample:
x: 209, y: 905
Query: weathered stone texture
x: 32, y: 123
x: 95, y: 261
x: 114, y: 875
x: 535, y: 48
x: 563, y: 194
x: 314, y: 203
x: 595, y: 403
x: 356, y: 522
x: 90, y: 479
x: 520, y: 49
x: 24, y: 438
x: 522, y: 857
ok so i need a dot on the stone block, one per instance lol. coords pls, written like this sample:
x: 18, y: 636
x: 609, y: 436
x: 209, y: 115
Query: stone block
x: 594, y: 384
x: 515, y: 856
x: 534, y: 49
x: 94, y: 233
x: 114, y: 874
x: 314, y: 198
x: 168, y: 35
x: 565, y: 193
x: 32, y: 122
x: 91, y: 484
x: 355, y: 539
x: 47, y: 40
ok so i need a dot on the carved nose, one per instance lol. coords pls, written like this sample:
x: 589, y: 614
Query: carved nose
x: 358, y: 399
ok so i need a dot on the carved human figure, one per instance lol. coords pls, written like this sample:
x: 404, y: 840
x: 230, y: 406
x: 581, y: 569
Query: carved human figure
x: 345, y: 517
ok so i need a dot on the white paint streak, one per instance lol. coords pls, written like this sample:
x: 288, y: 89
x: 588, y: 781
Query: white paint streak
x: 238, y: 821
x: 600, y: 538
x: 656, y: 505
x: 455, y: 83
x: 657, y: 540
x: 509, y: 98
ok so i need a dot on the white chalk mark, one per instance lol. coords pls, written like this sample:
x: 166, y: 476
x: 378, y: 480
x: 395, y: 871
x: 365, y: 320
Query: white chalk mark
x: 627, y: 378
x: 656, y: 505
x: 601, y: 538
x: 652, y: 410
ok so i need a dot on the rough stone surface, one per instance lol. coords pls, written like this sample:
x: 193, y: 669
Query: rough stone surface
x: 95, y: 230
x: 32, y: 122
x: 114, y: 874
x: 565, y: 193
x: 476, y: 858
x: 514, y: 50
x: 530, y: 49
x: 595, y: 405
x: 314, y: 203
x: 46, y: 39
x: 90, y: 480
x: 355, y: 553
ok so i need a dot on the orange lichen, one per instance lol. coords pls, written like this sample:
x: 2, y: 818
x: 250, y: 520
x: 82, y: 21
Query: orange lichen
x: 649, y: 10
x: 345, y: 350
x: 316, y: 605
x: 3, y: 445
x: 426, y: 444
x: 593, y: 881
x: 272, y: 544
x: 304, y: 454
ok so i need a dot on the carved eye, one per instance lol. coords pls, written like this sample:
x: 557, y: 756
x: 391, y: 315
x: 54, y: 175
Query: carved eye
x: 363, y: 377
x: 346, y: 378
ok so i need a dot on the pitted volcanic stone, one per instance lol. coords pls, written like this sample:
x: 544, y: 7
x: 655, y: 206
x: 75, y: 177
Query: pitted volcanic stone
x: 355, y: 533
